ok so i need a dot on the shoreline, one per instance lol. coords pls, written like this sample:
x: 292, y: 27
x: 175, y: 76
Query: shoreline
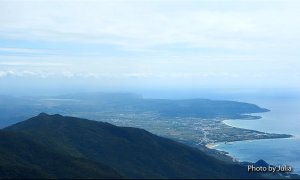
x: 235, y: 159
x: 216, y: 144
x: 213, y: 146
x: 227, y: 124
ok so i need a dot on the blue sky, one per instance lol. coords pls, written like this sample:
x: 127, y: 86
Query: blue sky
x: 110, y: 45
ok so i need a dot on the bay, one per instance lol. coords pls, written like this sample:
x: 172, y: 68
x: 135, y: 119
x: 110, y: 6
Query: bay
x: 284, y: 117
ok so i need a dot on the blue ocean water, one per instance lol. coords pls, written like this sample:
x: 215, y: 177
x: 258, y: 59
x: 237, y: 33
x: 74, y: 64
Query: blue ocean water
x: 284, y: 117
x: 274, y: 151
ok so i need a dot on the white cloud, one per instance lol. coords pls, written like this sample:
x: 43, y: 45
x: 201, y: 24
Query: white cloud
x: 30, y: 64
x: 136, y: 25
x: 20, y: 50
x: 255, y: 45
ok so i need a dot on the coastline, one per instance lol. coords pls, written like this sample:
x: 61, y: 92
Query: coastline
x: 228, y: 124
x: 211, y: 145
x: 219, y: 131
x: 214, y: 146
x: 240, y: 159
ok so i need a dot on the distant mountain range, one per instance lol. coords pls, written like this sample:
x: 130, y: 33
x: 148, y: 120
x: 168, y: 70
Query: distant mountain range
x: 55, y: 146
x: 91, y: 105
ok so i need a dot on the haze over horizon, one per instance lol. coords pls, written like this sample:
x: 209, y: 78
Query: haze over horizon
x: 65, y: 46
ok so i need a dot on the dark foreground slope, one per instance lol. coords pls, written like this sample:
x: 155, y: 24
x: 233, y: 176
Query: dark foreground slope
x: 20, y: 157
x: 58, y: 146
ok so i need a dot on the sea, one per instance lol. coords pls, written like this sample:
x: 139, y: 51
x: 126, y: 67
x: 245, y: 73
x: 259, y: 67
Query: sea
x: 284, y: 117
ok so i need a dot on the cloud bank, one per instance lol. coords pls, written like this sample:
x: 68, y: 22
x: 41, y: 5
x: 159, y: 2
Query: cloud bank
x: 206, y: 43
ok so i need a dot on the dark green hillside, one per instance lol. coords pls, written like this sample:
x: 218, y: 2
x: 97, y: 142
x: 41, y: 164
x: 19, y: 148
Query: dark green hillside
x: 21, y: 157
x: 134, y: 153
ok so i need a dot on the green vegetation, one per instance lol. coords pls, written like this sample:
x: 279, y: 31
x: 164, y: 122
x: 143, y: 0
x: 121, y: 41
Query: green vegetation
x: 67, y: 147
x: 21, y: 157
x: 99, y: 105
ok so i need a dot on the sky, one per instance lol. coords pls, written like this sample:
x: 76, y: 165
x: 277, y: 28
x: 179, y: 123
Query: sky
x: 65, y: 46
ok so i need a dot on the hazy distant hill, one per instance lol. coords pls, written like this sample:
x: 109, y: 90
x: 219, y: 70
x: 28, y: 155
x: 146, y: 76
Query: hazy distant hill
x: 167, y: 107
x: 65, y: 147
x: 90, y: 104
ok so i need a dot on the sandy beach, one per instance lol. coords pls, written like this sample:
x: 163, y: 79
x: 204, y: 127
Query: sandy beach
x: 211, y: 145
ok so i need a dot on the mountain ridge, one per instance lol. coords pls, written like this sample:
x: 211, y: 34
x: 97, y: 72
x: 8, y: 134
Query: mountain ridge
x: 90, y: 105
x: 130, y: 152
